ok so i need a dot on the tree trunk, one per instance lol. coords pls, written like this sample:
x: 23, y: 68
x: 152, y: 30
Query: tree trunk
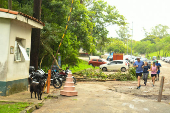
x: 81, y: 1
x: 35, y: 37
x: 10, y: 4
x: 56, y: 62
x: 1, y: 3
x: 42, y: 60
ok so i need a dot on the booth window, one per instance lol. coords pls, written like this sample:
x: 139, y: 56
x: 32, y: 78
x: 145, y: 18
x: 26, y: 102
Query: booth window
x: 17, y: 52
x: 20, y: 52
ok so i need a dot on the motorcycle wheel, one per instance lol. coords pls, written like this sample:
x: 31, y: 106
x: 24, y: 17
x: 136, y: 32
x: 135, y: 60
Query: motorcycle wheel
x: 74, y: 80
x: 57, y: 83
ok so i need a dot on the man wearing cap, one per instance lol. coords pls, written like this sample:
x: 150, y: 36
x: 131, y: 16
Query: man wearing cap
x: 139, y: 70
x: 158, y: 65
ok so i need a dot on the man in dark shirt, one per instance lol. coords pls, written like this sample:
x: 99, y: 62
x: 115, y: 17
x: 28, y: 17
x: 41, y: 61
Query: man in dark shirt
x: 139, y: 70
x: 158, y: 72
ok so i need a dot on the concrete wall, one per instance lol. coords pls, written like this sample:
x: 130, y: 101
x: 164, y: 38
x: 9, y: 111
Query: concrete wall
x: 14, y: 74
x: 4, y: 47
x: 18, y: 69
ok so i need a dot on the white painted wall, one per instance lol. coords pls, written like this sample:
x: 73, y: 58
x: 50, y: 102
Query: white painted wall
x: 12, y: 27
x: 4, y: 46
x: 18, y: 70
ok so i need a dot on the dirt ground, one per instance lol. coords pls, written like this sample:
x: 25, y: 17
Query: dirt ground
x: 148, y: 91
x: 112, y: 97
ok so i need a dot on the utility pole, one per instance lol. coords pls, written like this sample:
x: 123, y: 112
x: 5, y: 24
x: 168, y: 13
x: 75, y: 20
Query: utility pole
x: 131, y: 39
x: 127, y: 45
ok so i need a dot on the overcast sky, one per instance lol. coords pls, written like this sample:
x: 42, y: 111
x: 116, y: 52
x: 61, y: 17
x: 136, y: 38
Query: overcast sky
x: 143, y: 13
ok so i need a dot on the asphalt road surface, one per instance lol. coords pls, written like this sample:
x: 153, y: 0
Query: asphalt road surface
x: 111, y: 97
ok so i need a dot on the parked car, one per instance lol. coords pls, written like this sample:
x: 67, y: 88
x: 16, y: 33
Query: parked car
x: 154, y: 58
x: 97, y: 62
x: 132, y: 59
x: 149, y: 62
x: 115, y: 65
x: 126, y: 57
x: 143, y: 59
x: 167, y: 60
x: 110, y: 58
x: 163, y: 58
x: 127, y: 63
x: 94, y: 57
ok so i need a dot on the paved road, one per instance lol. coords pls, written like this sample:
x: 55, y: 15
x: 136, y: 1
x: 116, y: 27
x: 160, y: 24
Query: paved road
x: 99, y: 97
x: 165, y: 71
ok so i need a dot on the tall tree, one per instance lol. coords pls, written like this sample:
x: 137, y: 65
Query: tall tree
x: 160, y: 31
x: 103, y: 15
x: 123, y: 33
x: 35, y: 37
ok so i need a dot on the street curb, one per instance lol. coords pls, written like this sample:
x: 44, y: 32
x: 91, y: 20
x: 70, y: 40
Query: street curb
x: 31, y: 108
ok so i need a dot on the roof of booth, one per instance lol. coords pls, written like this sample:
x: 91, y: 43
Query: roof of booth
x: 22, y: 14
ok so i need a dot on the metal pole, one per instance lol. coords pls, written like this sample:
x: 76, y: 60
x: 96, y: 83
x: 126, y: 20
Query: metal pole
x: 131, y: 39
x: 127, y: 45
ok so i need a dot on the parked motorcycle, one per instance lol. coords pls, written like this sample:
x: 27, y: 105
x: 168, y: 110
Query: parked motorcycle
x: 63, y: 75
x: 40, y: 74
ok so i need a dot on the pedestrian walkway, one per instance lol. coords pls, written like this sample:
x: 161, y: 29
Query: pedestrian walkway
x: 25, y: 96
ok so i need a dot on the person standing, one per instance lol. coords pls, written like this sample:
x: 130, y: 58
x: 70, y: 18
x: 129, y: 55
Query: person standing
x: 153, y: 70
x: 146, y: 67
x: 139, y: 70
x: 158, y: 72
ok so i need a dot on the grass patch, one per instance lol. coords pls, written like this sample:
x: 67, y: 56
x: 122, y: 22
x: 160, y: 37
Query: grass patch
x: 155, y: 54
x: 40, y: 104
x: 81, y: 66
x: 13, y: 107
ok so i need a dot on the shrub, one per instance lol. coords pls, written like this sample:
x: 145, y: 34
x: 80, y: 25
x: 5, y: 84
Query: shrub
x: 92, y: 73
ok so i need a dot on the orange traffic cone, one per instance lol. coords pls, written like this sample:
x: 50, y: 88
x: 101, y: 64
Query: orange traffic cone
x: 69, y: 88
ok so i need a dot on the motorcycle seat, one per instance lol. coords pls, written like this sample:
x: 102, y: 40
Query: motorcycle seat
x: 39, y: 75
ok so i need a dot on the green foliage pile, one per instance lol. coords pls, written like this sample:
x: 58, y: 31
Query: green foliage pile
x: 99, y: 75
x: 92, y: 73
x: 13, y: 107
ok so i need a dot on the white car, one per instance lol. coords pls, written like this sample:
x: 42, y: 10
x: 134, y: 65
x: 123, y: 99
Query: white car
x: 167, y: 59
x: 115, y: 65
x: 94, y: 57
x: 132, y: 60
x: 163, y: 58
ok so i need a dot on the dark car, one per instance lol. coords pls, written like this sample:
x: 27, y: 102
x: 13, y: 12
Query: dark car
x: 96, y: 62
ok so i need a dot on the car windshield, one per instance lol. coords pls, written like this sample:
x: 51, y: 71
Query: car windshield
x: 110, y: 56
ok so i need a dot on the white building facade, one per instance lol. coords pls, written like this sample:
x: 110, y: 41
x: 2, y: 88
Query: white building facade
x: 15, y: 43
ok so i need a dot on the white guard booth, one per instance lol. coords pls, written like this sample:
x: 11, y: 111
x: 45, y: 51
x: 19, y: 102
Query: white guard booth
x: 15, y: 43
